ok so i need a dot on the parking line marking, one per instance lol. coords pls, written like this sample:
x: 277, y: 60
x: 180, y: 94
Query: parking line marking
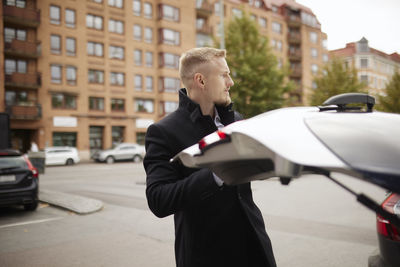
x: 30, y: 222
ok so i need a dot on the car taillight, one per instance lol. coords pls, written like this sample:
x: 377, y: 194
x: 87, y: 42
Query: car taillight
x: 384, y: 227
x: 213, y: 138
x: 31, y: 167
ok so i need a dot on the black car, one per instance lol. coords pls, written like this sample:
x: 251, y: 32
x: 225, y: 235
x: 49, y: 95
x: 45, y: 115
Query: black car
x: 388, y: 236
x: 338, y: 137
x: 19, y: 180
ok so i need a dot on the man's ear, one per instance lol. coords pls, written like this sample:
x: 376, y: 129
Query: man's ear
x: 199, y: 79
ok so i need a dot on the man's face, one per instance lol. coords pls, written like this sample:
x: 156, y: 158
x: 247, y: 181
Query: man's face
x: 217, y: 82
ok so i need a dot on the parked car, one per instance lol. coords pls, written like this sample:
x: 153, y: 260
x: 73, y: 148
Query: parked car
x: 388, y: 236
x: 290, y: 142
x: 123, y: 151
x: 61, y: 155
x: 19, y: 180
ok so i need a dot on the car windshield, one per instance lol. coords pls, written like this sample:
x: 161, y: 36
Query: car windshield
x: 12, y: 162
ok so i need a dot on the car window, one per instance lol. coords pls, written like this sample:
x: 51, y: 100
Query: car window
x: 12, y: 162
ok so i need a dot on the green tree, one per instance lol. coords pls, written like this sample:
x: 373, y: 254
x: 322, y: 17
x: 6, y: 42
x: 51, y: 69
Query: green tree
x: 259, y: 83
x: 391, y: 101
x: 334, y: 79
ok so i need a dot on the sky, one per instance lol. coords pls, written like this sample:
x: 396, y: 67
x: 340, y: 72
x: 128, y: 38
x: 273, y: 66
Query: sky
x: 346, y: 21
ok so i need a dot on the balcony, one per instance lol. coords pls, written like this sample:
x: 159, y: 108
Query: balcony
x: 296, y: 72
x: 25, y: 111
x: 294, y: 37
x: 23, y: 80
x: 21, y: 16
x: 295, y: 55
x: 208, y: 30
x: 22, y: 49
x: 203, y: 8
x: 293, y: 21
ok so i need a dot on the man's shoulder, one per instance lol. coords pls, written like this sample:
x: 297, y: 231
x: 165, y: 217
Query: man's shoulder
x: 170, y: 120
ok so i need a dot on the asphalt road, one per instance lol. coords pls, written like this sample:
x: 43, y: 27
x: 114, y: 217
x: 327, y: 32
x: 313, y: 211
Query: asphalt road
x: 311, y: 222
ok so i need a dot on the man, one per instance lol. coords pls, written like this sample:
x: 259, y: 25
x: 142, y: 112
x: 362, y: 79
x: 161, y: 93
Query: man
x: 215, y: 224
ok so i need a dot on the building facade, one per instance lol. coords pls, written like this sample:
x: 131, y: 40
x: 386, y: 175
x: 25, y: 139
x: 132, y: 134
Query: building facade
x: 374, y: 67
x: 94, y: 73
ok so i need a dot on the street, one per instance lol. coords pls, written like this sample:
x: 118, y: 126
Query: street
x: 311, y: 222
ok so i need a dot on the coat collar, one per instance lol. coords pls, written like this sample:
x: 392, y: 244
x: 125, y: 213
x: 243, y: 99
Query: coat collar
x: 226, y: 113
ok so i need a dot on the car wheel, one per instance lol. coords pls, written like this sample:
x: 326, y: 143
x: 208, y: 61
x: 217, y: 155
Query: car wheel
x: 31, y: 206
x: 137, y: 158
x: 110, y: 160
x: 69, y: 162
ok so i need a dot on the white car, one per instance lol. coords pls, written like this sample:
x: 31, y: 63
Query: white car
x: 290, y: 142
x: 61, y: 155
x: 123, y: 151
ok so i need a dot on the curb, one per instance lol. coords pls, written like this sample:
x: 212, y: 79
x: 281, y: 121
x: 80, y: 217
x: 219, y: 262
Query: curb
x: 77, y: 204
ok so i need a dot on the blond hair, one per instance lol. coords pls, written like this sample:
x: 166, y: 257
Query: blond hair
x: 192, y: 60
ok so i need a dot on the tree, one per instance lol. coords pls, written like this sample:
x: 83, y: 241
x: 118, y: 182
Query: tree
x: 334, y: 79
x: 259, y: 83
x: 390, y: 102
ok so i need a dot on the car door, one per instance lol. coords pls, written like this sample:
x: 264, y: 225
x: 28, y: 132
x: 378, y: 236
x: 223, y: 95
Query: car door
x: 127, y: 152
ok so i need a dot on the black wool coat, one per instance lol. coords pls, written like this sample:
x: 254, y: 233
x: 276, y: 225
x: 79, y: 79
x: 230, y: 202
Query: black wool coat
x: 214, y: 226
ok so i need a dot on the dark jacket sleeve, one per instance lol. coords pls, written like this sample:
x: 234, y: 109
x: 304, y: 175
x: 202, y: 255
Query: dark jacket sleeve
x: 171, y: 187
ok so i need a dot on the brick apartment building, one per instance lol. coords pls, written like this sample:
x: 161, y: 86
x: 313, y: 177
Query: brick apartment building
x: 374, y: 67
x: 94, y: 73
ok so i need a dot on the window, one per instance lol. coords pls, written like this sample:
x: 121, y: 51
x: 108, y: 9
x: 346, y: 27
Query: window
x: 116, y: 26
x: 168, y: 12
x: 96, y: 103
x: 13, y: 65
x: 56, y: 75
x: 95, y: 49
x: 117, y: 104
x: 276, y: 27
x: 149, y: 83
x: 325, y: 57
x: 98, y: 1
x: 94, y: 22
x: 309, y: 19
x: 117, y: 134
x: 149, y: 59
x: 148, y: 35
x: 262, y: 22
x: 138, y: 82
x: 16, y: 3
x: 169, y: 84
x: 314, y: 68
x: 137, y: 57
x: 96, y: 76
x: 275, y: 9
x: 117, y: 78
x: 16, y: 97
x: 137, y: 7
x: 63, y: 101
x: 364, y: 62
x: 137, y: 32
x: 168, y: 36
x: 71, y: 75
x: 313, y: 37
x: 237, y: 12
x: 314, y: 52
x: 70, y: 18
x: 55, y: 15
x: 116, y: 3
x: 116, y: 52
x: 364, y: 79
x: 70, y: 44
x: 11, y: 34
x: 256, y: 3
x: 169, y: 60
x: 55, y: 44
x: 279, y: 45
x: 325, y: 43
x: 168, y: 107
x: 64, y: 139
x: 147, y: 10
x: 144, y: 105
x: 140, y: 137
